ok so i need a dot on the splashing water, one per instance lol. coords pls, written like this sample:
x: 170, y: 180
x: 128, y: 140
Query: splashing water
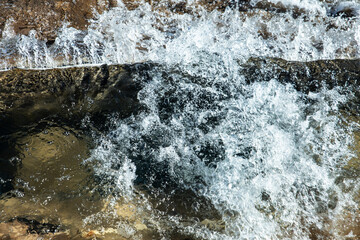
x: 264, y: 155
x: 121, y: 36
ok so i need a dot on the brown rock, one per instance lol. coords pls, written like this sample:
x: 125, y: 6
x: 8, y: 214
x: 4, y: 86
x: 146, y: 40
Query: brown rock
x: 216, y: 225
x: 12, y: 230
x: 169, y: 6
x: 16, y: 230
x: 47, y: 16
x: 347, y: 224
x: 221, y: 5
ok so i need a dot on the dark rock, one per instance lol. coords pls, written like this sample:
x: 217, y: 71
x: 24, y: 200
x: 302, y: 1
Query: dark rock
x: 30, y: 230
x: 241, y: 5
x: 345, y: 9
x: 305, y: 76
x: 310, y: 76
x: 31, y: 95
x: 169, y: 6
x: 66, y: 96
x: 37, y: 227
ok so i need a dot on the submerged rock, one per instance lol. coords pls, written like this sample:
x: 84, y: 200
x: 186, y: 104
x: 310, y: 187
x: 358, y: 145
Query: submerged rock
x: 30, y: 230
x: 50, y: 184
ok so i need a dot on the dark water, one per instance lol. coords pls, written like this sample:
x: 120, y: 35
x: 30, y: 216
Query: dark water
x: 209, y: 152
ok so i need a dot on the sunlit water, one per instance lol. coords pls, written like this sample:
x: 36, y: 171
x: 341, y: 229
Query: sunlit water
x: 267, y: 159
x: 122, y: 36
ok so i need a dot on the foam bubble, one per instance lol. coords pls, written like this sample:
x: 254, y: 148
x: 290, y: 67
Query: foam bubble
x: 121, y: 36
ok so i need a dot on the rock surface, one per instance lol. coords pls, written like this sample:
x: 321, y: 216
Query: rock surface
x: 28, y: 230
x: 30, y: 95
x: 47, y: 16
x: 34, y: 94
x: 305, y: 76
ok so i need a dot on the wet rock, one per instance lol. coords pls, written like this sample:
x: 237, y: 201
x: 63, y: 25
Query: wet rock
x: 213, y: 5
x: 215, y: 225
x: 305, y: 76
x: 8, y: 166
x: 31, y: 95
x: 36, y: 227
x: 347, y: 224
x: 16, y: 207
x: 13, y: 230
x: 169, y: 6
x: 50, y: 184
x: 184, y: 7
x: 47, y: 16
x: 350, y: 50
x: 352, y: 169
x: 126, y: 211
x: 220, y: 5
x: 29, y: 230
x: 120, y: 218
x: 34, y: 93
x: 345, y: 9
x: 45, y: 153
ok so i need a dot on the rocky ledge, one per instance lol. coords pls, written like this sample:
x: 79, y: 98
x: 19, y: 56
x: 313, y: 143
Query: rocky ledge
x: 305, y: 76
x: 47, y: 16
x: 30, y: 95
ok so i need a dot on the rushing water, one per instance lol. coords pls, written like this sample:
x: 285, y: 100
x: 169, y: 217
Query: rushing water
x: 122, y: 36
x: 267, y: 160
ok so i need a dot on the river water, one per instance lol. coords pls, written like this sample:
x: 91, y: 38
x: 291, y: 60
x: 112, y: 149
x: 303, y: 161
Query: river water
x: 210, y: 155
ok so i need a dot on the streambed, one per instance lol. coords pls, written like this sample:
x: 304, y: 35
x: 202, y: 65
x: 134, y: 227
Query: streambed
x: 235, y: 121
x: 178, y: 164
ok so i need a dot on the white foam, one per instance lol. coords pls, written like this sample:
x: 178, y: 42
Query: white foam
x: 121, y: 36
x: 274, y: 143
x: 276, y: 156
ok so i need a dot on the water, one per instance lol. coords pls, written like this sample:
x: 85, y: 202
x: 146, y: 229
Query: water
x: 161, y: 35
x: 211, y: 156
x: 265, y: 158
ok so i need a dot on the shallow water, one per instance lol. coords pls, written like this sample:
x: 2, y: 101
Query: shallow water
x: 210, y: 156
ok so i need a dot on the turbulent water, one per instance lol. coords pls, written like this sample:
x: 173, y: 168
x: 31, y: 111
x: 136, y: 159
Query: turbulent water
x: 267, y: 159
x: 306, y: 30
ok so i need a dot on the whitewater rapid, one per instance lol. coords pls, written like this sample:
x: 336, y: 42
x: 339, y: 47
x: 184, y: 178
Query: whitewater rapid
x: 306, y: 31
x: 267, y: 157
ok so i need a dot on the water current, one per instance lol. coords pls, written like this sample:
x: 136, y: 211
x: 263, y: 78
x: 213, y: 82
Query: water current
x: 210, y: 155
